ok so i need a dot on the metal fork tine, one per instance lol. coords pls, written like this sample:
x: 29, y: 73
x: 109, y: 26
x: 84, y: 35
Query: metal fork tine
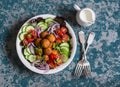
x: 85, y: 71
x: 79, y: 70
x: 76, y: 69
x: 88, y: 71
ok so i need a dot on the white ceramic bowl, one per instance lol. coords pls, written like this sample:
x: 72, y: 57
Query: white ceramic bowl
x: 51, y: 71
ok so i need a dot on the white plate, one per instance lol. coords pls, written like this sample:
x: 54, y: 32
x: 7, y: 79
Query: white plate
x: 51, y: 71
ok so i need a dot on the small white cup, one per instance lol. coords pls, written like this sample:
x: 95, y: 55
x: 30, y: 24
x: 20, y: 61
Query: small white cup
x: 85, y: 17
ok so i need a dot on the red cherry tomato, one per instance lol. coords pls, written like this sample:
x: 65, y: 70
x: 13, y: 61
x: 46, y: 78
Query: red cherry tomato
x: 63, y: 30
x: 34, y: 33
x: 52, y: 56
x: 59, y: 32
x: 58, y: 40
x: 65, y: 37
x: 27, y: 36
x: 30, y: 40
x: 59, y: 62
x: 52, y: 65
x: 25, y: 42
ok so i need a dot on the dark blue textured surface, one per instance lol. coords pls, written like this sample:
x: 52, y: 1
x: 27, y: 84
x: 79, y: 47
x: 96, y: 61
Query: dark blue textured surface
x: 103, y: 54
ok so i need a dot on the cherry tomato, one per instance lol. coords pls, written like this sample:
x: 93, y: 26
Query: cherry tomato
x: 59, y: 61
x: 34, y: 33
x: 58, y: 40
x: 30, y: 40
x: 27, y: 36
x: 63, y: 30
x: 59, y: 32
x: 52, y: 56
x: 65, y: 37
x: 52, y: 65
x: 25, y: 42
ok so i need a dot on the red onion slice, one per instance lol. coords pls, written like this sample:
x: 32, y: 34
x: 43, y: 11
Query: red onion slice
x: 41, y: 66
x: 31, y: 48
x: 39, y: 32
x: 53, y: 27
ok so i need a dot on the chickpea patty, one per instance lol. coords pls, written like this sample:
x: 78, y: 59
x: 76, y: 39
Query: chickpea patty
x: 46, y: 57
x: 51, y: 37
x: 47, y: 51
x: 37, y: 42
x: 55, y: 52
x: 45, y: 43
x: 43, y: 34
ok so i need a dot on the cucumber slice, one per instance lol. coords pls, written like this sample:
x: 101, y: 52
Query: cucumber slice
x: 65, y: 51
x: 43, y: 25
x: 25, y: 52
x: 64, y: 45
x: 65, y: 58
x: 24, y: 28
x: 21, y: 35
x: 28, y: 50
x: 40, y: 23
x: 29, y: 27
x: 27, y: 56
x: 49, y: 20
x: 32, y: 58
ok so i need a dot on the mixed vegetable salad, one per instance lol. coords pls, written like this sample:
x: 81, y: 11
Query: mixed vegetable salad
x: 45, y: 42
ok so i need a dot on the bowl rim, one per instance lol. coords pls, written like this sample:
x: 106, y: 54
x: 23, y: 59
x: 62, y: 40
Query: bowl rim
x: 51, y: 71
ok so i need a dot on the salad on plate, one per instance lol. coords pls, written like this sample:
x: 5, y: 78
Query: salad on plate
x: 45, y: 42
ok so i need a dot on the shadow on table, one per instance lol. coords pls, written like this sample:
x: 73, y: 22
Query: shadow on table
x: 10, y: 44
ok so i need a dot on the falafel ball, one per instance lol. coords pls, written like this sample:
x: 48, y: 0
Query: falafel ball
x: 51, y: 37
x: 43, y: 34
x: 37, y: 42
x: 55, y: 52
x: 51, y: 44
x: 38, y: 51
x: 48, y: 51
x: 45, y: 43
x: 46, y: 57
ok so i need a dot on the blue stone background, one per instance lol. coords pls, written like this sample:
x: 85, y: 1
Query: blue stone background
x: 103, y: 54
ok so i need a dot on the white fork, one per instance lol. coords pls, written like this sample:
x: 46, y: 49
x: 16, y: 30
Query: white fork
x: 83, y: 64
x: 86, y: 64
x: 79, y: 66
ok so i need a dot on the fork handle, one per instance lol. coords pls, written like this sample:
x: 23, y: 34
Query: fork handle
x: 84, y: 52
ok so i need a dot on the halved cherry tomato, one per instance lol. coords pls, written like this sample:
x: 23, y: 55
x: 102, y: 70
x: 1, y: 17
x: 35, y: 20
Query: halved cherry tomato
x: 58, y: 40
x: 34, y: 33
x: 63, y: 30
x: 59, y: 62
x: 59, y: 32
x: 25, y: 42
x: 52, y: 56
x: 27, y: 36
x: 52, y: 65
x: 30, y: 40
x: 65, y: 37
